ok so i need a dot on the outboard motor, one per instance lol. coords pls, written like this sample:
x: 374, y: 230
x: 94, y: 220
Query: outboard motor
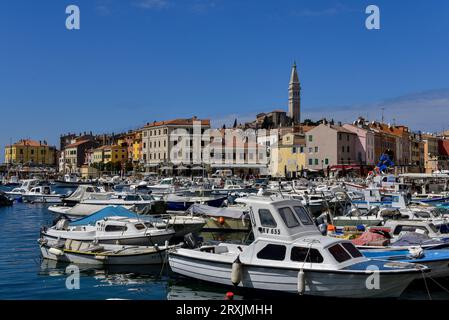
x: 191, y: 241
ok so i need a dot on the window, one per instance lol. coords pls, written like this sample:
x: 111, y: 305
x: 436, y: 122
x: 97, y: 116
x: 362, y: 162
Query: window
x: 316, y: 162
x: 347, y: 148
x: 288, y: 217
x: 294, y: 150
x: 302, y: 149
x: 272, y: 252
x: 310, y: 162
x: 339, y: 253
x: 266, y: 219
x: 299, y: 254
x: 347, y: 137
x: 139, y: 226
x: 303, y: 215
x: 310, y: 138
x: 355, y: 253
x: 326, y: 161
x: 339, y: 136
x: 115, y: 228
x: 342, y: 148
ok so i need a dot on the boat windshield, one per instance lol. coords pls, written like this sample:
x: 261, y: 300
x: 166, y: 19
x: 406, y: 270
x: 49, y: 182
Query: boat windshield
x: 288, y: 217
x: 340, y: 254
x: 303, y: 215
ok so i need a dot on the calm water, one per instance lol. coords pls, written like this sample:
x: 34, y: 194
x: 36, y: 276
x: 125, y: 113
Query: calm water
x: 24, y: 275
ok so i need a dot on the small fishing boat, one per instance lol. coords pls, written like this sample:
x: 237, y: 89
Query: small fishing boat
x: 235, y: 218
x: 139, y: 201
x: 70, y: 181
x: 84, y: 192
x: 436, y: 260
x: 80, y: 210
x: 112, y: 225
x: 79, y: 252
x: 25, y: 187
x: 41, y: 194
x: 183, y: 202
x: 289, y: 254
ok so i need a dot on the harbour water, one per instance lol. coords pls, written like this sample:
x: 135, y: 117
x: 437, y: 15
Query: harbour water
x: 24, y: 275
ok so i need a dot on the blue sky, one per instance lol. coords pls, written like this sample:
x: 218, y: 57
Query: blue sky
x: 142, y: 60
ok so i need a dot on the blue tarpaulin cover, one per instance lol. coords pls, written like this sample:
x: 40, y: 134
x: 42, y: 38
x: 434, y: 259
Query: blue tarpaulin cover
x: 110, y: 211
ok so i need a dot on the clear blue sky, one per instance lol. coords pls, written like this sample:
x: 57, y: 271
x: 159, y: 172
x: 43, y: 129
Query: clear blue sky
x: 142, y: 60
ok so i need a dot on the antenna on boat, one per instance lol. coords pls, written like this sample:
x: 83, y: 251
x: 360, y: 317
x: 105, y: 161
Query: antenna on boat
x: 280, y: 191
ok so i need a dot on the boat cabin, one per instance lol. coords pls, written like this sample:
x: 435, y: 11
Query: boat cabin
x: 41, y: 190
x: 397, y: 227
x: 285, y: 233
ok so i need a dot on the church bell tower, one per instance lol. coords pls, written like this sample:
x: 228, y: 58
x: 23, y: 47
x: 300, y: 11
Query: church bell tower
x: 294, y: 97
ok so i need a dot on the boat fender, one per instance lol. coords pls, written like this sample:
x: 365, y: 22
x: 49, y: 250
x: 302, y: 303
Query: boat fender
x: 301, y: 282
x: 221, y: 220
x: 56, y: 252
x: 416, y: 252
x: 101, y: 257
x: 236, y: 274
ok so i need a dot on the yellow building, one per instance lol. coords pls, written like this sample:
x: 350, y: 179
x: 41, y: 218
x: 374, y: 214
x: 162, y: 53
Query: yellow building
x: 98, y: 155
x: 287, y: 157
x: 113, y: 154
x: 137, y: 147
x: 30, y: 152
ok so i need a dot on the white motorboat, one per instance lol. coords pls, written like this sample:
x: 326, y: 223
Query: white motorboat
x: 116, y: 227
x: 233, y: 185
x: 234, y: 218
x: 84, y: 192
x: 25, y: 187
x: 80, y: 210
x: 41, y: 194
x: 139, y: 201
x: 73, y: 251
x: 289, y: 254
x: 70, y: 181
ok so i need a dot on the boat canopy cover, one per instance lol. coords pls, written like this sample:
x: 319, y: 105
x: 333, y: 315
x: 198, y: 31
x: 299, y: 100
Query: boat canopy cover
x: 205, y: 210
x: 109, y: 211
x: 414, y: 238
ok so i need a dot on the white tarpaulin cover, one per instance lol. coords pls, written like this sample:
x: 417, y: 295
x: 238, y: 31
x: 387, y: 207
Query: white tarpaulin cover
x: 234, y: 213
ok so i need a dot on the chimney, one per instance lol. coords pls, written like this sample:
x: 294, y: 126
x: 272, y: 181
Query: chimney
x: 339, y: 123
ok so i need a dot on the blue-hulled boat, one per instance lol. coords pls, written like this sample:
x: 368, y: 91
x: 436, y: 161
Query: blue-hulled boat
x: 436, y: 260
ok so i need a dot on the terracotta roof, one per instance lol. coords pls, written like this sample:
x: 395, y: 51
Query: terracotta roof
x: 177, y: 122
x: 390, y: 129
x: 76, y: 144
x: 341, y: 129
x: 28, y: 143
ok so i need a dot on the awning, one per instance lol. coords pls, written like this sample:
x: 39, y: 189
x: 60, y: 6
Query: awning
x: 344, y: 167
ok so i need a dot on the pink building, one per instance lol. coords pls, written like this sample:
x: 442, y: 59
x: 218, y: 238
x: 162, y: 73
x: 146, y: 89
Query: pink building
x: 364, y: 149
